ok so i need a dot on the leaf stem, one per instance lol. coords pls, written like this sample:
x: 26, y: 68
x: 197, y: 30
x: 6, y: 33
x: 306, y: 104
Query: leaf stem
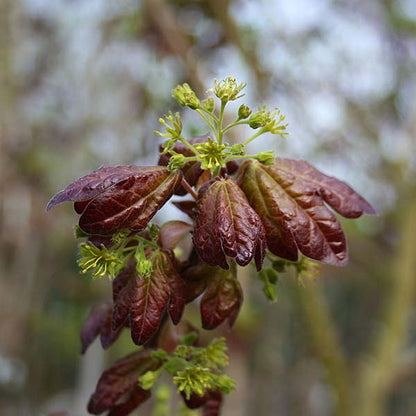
x: 188, y: 187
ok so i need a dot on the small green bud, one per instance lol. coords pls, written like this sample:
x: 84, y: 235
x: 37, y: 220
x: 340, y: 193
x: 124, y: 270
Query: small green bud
x: 267, y: 158
x: 269, y: 275
x: 243, y: 112
x: 148, y: 379
x: 176, y: 161
x: 144, y: 267
x: 270, y: 292
x: 238, y: 149
x: 279, y: 265
x: 186, y: 97
x: 208, y: 104
x: 153, y: 231
x: 259, y: 119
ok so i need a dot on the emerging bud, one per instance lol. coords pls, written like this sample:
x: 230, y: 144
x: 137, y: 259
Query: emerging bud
x: 186, y: 97
x: 267, y: 158
x: 148, y: 379
x: 176, y: 162
x: 208, y: 104
x: 243, y: 112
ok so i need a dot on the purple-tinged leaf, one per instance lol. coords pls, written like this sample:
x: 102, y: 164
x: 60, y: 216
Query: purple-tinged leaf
x: 176, y: 285
x: 222, y: 299
x: 119, y: 379
x: 92, y: 325
x: 94, y: 183
x: 337, y: 194
x: 196, y: 278
x: 172, y: 233
x: 136, y: 397
x: 289, y: 197
x: 226, y: 225
x: 97, y: 323
x: 131, y: 203
x: 152, y: 294
x: 188, y: 207
x: 212, y: 406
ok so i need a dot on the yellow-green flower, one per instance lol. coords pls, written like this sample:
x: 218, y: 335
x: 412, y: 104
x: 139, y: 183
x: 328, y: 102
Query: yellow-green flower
x: 99, y: 261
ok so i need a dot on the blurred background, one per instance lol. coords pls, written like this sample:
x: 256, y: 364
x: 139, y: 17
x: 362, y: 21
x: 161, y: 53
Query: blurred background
x: 83, y: 85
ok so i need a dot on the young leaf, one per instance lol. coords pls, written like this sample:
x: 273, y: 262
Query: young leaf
x: 172, y: 233
x: 136, y: 397
x: 112, y: 198
x: 97, y: 323
x: 289, y: 197
x: 131, y: 203
x: 212, y: 406
x: 222, y: 299
x: 151, y: 295
x: 119, y: 379
x: 226, y: 225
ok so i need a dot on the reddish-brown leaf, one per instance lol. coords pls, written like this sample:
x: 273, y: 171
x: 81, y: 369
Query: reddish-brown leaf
x: 289, y: 197
x: 122, y: 294
x: 188, y: 207
x: 212, y: 406
x: 151, y: 295
x: 222, y: 299
x: 176, y: 285
x: 226, y: 225
x: 130, y: 203
x: 118, y: 380
x: 92, y: 184
x: 113, y: 198
x: 97, y: 323
x: 196, y: 277
x: 172, y: 233
x: 136, y: 397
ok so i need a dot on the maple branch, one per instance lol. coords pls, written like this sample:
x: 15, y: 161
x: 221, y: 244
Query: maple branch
x: 165, y: 22
x: 326, y: 345
x: 378, y: 374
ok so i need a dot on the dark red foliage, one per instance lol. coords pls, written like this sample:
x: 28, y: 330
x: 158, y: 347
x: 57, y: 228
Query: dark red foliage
x: 99, y: 323
x: 226, y: 225
x: 119, y: 380
x: 212, y: 406
x: 111, y: 199
x: 173, y: 232
x: 222, y: 299
x: 141, y: 301
x: 290, y: 198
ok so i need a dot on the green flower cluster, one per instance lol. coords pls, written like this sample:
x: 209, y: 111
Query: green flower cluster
x: 194, y: 370
x: 215, y: 153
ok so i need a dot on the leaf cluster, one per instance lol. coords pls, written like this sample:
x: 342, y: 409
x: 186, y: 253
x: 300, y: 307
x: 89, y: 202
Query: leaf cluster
x: 243, y: 209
